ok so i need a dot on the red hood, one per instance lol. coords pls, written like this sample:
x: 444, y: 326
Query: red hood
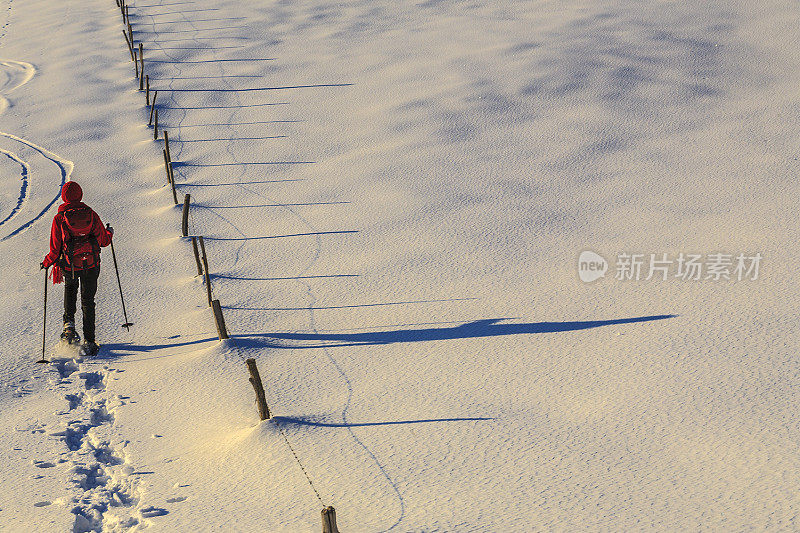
x: 71, y: 192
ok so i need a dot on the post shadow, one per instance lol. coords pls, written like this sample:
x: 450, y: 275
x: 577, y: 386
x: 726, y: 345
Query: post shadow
x: 310, y: 233
x: 254, y: 163
x: 489, y: 327
x: 185, y: 39
x: 229, y: 106
x: 164, y: 14
x: 253, y: 89
x: 348, y: 306
x: 111, y: 350
x: 215, y: 124
x: 237, y: 183
x: 213, y: 60
x: 291, y: 204
x: 287, y: 420
x: 223, y: 76
x: 187, y: 21
x: 230, y: 139
x: 162, y: 5
x: 198, y: 48
x: 194, y: 30
x: 285, y: 278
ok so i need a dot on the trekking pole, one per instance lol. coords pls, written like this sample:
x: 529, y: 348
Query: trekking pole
x: 44, y: 326
x: 127, y: 325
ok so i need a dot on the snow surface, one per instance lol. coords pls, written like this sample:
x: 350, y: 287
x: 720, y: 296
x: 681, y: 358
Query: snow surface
x: 394, y: 196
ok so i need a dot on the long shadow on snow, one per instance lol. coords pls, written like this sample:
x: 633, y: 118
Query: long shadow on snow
x: 237, y: 183
x: 214, y: 60
x: 177, y: 108
x: 218, y: 139
x: 317, y: 276
x: 307, y: 422
x: 162, y: 5
x: 120, y: 349
x: 337, y: 232
x: 194, y: 30
x: 298, y: 204
x: 186, y: 164
x: 347, y: 306
x: 164, y: 14
x: 480, y: 328
x: 197, y: 48
x: 209, y: 125
x: 253, y: 89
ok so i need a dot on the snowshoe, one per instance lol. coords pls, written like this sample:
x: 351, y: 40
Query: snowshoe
x: 89, y: 349
x: 69, y: 335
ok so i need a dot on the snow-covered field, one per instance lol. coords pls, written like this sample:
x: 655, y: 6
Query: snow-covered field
x: 394, y: 196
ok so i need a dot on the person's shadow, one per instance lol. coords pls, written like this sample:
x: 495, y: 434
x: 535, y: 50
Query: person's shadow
x: 489, y: 327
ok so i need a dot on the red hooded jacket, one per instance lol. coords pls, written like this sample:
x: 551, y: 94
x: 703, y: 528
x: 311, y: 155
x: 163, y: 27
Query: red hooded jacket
x: 72, y: 194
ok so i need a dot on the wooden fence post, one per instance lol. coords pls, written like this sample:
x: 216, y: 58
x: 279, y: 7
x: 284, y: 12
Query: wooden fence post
x: 261, y: 398
x: 155, y: 127
x: 141, y: 67
x: 172, y: 182
x: 166, y: 145
x: 185, y: 218
x: 130, y: 28
x: 329, y: 520
x: 219, y: 319
x: 152, y: 108
x: 205, y: 269
x: 147, y: 90
x: 166, y: 168
x: 136, y: 64
x: 130, y: 46
x: 197, y: 256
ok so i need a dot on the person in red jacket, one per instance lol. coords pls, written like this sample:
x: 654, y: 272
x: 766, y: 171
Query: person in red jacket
x: 76, y: 236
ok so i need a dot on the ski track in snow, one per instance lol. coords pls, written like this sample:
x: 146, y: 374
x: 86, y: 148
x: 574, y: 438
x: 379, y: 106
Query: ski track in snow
x: 307, y: 226
x: 23, y: 191
x: 15, y: 74
x: 64, y: 168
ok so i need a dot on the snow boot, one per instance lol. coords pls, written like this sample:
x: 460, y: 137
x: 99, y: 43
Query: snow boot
x: 69, y: 335
x: 89, y: 349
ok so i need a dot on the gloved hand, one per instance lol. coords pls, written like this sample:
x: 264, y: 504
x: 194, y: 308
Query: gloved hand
x: 41, y: 266
x: 110, y: 229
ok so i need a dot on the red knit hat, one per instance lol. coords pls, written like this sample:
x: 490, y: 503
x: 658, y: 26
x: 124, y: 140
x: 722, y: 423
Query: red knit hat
x: 71, y: 192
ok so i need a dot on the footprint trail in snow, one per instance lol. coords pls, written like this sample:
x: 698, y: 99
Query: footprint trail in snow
x: 104, y: 489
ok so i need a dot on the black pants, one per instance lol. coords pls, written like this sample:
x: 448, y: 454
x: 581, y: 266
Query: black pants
x: 88, y: 284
